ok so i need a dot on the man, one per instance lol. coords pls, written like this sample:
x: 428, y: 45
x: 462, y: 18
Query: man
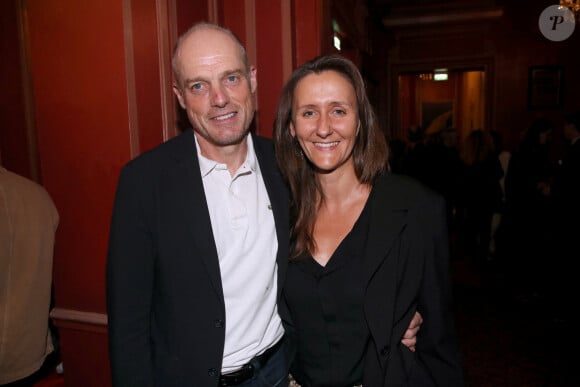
x: 28, y: 223
x: 199, y: 238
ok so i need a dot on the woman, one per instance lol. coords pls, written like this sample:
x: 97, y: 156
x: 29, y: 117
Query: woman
x: 369, y: 247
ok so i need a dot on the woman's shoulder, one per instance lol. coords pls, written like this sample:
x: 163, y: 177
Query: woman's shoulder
x: 402, y: 182
x: 407, y: 190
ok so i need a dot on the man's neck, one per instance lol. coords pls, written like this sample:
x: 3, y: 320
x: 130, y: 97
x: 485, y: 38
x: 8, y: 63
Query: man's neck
x: 232, y: 155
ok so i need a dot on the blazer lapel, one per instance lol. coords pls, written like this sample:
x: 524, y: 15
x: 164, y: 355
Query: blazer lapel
x: 280, y: 201
x: 388, y: 219
x: 186, y: 177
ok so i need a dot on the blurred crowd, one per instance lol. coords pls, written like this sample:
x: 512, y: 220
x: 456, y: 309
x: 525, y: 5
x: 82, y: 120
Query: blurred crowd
x: 515, y: 210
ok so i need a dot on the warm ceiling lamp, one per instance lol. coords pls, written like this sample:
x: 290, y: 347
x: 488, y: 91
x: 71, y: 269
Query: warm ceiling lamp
x: 572, y: 5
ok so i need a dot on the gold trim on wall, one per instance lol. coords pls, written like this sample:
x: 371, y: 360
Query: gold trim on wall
x: 165, y: 39
x: 132, y: 113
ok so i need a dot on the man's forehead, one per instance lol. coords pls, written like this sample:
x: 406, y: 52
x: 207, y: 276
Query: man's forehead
x: 210, y: 42
x: 208, y: 66
x: 214, y: 59
x: 217, y: 53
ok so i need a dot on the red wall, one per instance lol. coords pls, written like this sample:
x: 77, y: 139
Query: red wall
x: 81, y: 110
x: 269, y: 61
x: 15, y: 143
x: 100, y: 94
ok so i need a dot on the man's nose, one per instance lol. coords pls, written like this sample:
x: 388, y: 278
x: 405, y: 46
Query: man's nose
x: 219, y: 96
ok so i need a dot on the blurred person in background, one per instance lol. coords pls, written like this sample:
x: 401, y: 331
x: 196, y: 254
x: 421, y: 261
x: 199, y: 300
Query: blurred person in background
x: 28, y: 223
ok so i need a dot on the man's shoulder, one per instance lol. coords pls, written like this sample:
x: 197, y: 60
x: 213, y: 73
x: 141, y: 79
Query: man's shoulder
x: 165, y: 154
x: 18, y: 183
x: 17, y: 190
x: 181, y: 145
x: 264, y: 148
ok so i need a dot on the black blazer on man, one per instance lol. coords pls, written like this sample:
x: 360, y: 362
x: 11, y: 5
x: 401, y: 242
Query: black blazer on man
x: 165, y: 300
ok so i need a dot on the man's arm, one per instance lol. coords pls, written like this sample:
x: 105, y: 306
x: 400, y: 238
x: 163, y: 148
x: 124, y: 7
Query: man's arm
x: 438, y: 346
x: 130, y: 284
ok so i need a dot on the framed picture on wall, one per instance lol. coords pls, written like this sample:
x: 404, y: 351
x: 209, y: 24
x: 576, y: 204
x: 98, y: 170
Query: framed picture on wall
x: 545, y: 86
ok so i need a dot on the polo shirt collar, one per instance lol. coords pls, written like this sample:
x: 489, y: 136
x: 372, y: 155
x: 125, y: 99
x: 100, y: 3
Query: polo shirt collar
x: 206, y: 165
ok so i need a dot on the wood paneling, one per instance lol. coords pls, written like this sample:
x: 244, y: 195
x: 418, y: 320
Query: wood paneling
x: 100, y: 94
x: 270, y: 46
x: 309, y: 26
x: 84, y: 108
x: 18, y: 147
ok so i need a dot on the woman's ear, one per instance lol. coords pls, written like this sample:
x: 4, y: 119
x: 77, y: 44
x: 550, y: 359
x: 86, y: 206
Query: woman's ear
x: 292, y: 131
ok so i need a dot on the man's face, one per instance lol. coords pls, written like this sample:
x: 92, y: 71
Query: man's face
x: 215, y: 88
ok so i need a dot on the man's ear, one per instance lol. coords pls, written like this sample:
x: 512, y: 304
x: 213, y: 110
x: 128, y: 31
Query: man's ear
x: 179, y: 95
x: 253, y: 80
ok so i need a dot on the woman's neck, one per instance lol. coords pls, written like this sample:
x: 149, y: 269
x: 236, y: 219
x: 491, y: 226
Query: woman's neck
x: 341, y: 190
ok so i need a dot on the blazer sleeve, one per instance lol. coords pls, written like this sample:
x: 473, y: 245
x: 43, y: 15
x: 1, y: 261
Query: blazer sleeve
x: 437, y: 344
x: 129, y: 282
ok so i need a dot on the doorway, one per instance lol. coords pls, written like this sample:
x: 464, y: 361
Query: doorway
x: 437, y: 99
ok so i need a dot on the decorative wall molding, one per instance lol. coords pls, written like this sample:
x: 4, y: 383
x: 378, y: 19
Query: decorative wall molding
x: 63, y: 316
x: 131, y: 87
x: 27, y: 91
x: 166, y: 37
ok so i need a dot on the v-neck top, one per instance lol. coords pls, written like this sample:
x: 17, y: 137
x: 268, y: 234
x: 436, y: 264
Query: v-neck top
x: 326, y: 305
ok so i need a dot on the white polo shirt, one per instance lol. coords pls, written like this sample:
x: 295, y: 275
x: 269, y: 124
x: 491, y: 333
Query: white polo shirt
x: 245, y: 236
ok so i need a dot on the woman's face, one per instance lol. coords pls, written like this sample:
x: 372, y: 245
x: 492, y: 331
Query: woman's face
x: 325, y: 120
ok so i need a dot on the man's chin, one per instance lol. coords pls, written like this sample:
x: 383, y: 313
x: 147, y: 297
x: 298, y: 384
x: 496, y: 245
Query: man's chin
x: 229, y: 138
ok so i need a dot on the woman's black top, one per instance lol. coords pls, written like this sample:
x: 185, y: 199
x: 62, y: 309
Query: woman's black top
x: 326, y: 305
